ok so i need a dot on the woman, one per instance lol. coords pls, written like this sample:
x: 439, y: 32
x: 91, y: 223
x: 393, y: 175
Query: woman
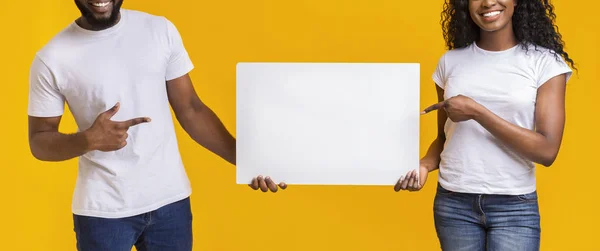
x: 501, y: 87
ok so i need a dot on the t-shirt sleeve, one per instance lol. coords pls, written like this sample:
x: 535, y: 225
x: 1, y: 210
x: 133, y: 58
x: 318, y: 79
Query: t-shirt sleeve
x: 179, y: 62
x: 551, y: 66
x: 45, y: 99
x: 439, y: 75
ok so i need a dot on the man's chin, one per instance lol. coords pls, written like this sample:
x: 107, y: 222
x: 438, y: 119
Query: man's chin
x: 102, y: 20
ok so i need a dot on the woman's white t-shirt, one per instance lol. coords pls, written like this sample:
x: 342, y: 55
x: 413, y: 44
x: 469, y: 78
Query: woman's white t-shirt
x: 506, y: 83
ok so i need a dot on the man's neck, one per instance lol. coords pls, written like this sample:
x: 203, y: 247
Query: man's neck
x: 85, y: 24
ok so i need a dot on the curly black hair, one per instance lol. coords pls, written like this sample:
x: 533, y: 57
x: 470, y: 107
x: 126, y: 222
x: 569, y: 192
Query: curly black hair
x: 533, y: 23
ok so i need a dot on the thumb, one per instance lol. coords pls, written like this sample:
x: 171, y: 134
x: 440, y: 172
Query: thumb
x: 112, y: 111
x: 422, y: 177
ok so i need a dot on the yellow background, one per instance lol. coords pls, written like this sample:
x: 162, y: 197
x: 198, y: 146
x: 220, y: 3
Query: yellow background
x: 36, y: 196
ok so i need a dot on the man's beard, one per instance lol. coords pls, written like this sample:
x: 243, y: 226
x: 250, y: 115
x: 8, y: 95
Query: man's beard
x: 103, y: 23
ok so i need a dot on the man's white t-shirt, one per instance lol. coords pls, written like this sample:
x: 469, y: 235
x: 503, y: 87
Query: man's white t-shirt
x: 506, y: 83
x: 93, y: 70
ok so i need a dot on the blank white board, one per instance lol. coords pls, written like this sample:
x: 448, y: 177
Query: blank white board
x: 327, y: 123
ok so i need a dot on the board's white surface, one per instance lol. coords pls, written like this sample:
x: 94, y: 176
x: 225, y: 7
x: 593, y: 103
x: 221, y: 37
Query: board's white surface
x: 327, y: 123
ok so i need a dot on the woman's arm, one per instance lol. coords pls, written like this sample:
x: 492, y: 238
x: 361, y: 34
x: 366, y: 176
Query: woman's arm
x: 540, y: 145
x: 414, y: 181
x: 431, y: 160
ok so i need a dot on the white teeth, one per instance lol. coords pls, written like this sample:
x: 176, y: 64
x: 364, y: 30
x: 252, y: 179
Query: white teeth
x: 491, y: 14
x: 100, y: 4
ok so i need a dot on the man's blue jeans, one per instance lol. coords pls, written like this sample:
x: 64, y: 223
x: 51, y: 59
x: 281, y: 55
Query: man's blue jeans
x: 168, y: 228
x: 477, y: 222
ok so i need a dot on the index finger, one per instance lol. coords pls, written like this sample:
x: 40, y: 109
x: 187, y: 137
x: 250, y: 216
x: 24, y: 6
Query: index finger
x: 271, y: 185
x: 254, y: 184
x: 434, y: 107
x: 133, y: 122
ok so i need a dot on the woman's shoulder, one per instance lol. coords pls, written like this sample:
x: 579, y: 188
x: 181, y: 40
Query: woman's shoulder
x: 457, y: 52
x: 535, y: 51
x: 455, y: 55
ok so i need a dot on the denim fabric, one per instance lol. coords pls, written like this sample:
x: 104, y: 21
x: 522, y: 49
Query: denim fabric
x: 168, y: 228
x: 477, y: 222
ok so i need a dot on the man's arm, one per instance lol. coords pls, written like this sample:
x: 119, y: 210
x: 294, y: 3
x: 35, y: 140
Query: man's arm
x: 47, y: 144
x: 46, y: 105
x: 198, y: 120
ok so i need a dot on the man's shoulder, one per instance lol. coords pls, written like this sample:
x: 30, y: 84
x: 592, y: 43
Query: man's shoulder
x: 145, y: 19
x: 58, y: 45
x: 140, y: 15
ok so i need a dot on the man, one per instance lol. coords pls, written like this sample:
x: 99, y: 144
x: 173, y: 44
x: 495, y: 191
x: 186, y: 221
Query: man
x: 120, y: 72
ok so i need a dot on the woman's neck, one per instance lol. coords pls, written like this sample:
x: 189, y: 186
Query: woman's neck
x: 499, y: 40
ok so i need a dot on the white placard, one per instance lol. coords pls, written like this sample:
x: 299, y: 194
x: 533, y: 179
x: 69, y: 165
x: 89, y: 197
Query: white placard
x: 327, y: 123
